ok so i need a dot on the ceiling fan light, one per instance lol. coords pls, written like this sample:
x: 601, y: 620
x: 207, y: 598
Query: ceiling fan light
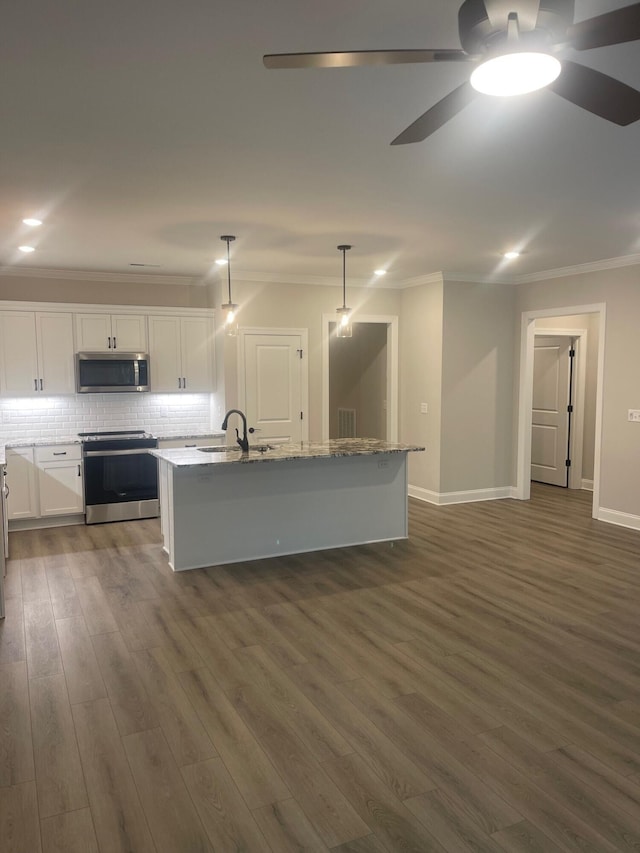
x: 515, y: 73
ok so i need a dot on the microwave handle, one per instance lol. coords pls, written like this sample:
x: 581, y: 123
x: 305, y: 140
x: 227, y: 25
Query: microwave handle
x: 136, y: 371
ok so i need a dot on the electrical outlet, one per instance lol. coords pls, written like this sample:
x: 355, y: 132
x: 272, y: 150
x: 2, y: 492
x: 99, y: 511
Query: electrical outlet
x: 634, y: 415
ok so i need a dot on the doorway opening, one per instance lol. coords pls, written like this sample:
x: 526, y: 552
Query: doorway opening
x: 360, y: 379
x: 564, y: 400
x: 588, y: 421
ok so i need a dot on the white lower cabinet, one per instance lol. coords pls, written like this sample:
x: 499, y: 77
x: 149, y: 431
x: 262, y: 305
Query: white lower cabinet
x: 44, y: 481
x: 59, y: 480
x: 22, y: 483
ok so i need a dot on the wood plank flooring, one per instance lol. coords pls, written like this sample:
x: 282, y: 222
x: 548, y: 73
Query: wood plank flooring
x: 475, y: 688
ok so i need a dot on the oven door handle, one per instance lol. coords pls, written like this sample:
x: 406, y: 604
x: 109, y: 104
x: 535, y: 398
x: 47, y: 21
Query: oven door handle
x: 134, y: 452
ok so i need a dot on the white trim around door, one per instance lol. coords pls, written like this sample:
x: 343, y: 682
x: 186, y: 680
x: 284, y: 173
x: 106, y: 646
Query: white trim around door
x: 527, y: 338
x: 391, y: 322
x: 580, y: 336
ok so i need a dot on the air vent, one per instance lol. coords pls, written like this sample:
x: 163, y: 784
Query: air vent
x: 346, y: 423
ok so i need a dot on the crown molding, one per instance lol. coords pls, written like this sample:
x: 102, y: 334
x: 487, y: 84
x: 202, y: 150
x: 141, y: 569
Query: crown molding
x: 479, y: 279
x: 430, y: 278
x: 579, y: 269
x: 314, y: 280
x: 89, y: 275
x: 381, y: 283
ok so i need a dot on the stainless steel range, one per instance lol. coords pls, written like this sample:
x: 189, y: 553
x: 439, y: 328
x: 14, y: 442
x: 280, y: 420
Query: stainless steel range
x: 120, y: 476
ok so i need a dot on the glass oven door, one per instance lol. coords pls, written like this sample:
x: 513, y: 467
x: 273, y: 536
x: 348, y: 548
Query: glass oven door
x: 118, y: 476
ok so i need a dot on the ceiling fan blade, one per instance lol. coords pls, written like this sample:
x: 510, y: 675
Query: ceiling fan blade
x: 611, y: 28
x: 598, y: 93
x: 361, y: 57
x: 438, y: 115
x: 498, y: 11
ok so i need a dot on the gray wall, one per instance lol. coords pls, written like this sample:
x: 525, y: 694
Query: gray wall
x: 111, y: 292
x: 620, y: 448
x: 421, y: 380
x: 477, y: 386
x: 282, y: 306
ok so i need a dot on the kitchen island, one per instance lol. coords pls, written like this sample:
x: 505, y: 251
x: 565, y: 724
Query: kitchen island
x: 224, y: 506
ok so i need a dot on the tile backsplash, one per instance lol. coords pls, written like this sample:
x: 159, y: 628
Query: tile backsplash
x: 63, y: 417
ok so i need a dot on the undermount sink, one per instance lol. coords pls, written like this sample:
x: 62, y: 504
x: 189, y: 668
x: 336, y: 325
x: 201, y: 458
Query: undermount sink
x: 261, y: 448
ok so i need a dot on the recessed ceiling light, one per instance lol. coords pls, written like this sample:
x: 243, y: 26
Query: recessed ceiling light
x: 511, y: 256
x: 222, y: 262
x: 26, y: 249
x: 32, y: 222
x: 379, y: 272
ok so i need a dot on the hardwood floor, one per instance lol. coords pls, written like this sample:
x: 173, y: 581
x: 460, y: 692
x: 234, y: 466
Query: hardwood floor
x: 475, y: 688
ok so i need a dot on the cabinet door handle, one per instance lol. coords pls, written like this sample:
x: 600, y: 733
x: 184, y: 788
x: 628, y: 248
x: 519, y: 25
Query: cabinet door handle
x: 78, y: 470
x: 184, y: 382
x: 109, y: 339
x: 41, y: 384
x: 114, y: 342
x: 60, y: 453
x: 35, y: 384
x: 179, y: 382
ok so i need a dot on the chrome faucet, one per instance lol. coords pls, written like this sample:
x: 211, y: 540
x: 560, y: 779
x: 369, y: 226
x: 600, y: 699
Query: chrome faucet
x: 244, y: 441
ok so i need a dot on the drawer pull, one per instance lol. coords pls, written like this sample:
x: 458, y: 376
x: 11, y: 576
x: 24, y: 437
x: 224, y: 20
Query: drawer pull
x: 191, y: 445
x: 60, y: 453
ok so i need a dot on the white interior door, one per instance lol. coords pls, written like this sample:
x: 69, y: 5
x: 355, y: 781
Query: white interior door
x: 550, y: 412
x: 275, y: 385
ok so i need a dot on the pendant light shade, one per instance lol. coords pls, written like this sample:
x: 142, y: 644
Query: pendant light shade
x: 344, y: 329
x: 229, y: 308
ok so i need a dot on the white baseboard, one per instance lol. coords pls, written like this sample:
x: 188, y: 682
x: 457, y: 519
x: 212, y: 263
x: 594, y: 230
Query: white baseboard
x: 622, y: 519
x: 471, y: 496
x: 587, y: 485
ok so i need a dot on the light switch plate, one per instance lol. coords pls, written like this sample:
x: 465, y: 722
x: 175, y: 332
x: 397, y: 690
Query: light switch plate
x: 424, y: 408
x: 634, y: 415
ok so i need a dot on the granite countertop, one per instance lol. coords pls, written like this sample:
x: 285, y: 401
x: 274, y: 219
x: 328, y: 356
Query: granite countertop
x: 185, y: 457
x: 210, y: 434
x: 74, y: 439
x: 33, y: 442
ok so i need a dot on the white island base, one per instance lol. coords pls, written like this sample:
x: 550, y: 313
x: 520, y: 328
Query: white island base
x: 216, y: 514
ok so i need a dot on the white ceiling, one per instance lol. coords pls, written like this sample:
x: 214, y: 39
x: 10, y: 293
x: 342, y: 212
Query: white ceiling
x: 142, y: 131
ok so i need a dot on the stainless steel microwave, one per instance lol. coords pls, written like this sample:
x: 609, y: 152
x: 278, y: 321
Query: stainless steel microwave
x: 115, y: 373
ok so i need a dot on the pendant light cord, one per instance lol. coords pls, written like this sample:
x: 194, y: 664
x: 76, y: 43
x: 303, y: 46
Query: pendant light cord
x: 228, y: 238
x: 343, y: 249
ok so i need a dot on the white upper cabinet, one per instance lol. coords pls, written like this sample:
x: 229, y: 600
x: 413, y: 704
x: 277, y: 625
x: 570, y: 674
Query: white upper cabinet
x: 181, y: 353
x: 36, y: 353
x: 111, y: 332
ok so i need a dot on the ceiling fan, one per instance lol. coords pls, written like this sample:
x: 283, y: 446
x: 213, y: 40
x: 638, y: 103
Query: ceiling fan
x: 519, y: 34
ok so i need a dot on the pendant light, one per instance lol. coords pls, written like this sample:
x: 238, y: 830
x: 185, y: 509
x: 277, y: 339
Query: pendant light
x: 230, y: 309
x: 344, y: 329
